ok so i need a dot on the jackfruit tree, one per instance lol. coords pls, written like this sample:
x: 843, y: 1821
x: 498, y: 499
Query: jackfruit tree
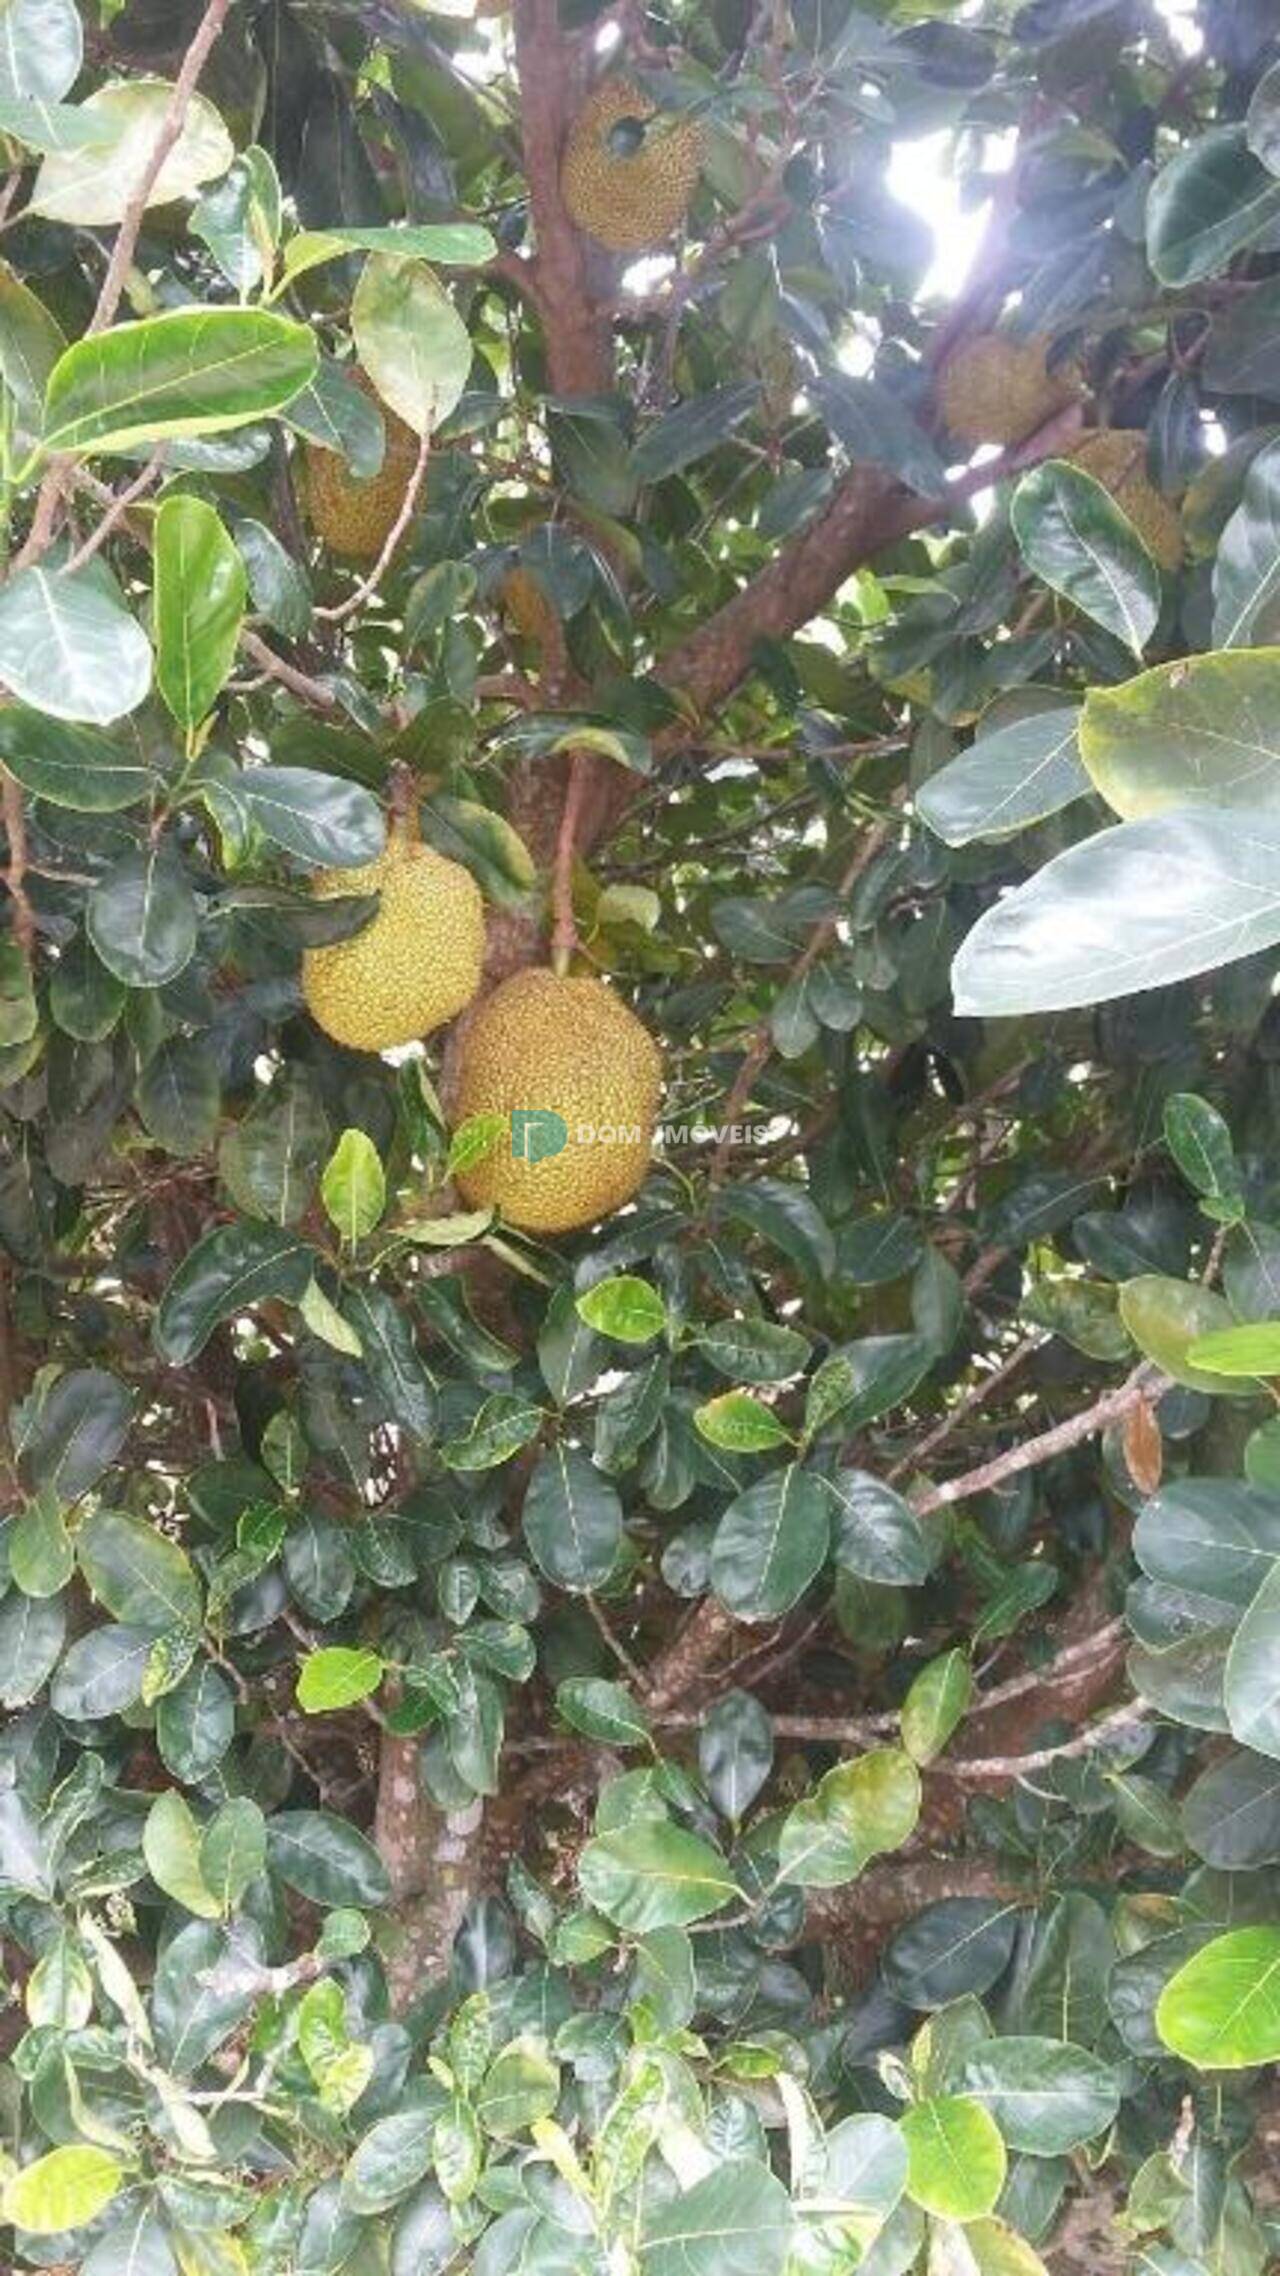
x: 639, y: 1192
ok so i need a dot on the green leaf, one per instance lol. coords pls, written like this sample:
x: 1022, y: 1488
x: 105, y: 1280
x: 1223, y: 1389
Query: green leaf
x: 325, y: 1859
x: 41, y: 49
x: 937, y: 1702
x: 171, y: 1846
x: 454, y: 244
x: 230, y: 1270
x: 69, y: 1432
x: 101, y: 1673
x: 686, y: 434
x: 625, y: 1308
x: 654, y: 1875
x: 340, y: 2069
x: 1221, y: 2011
x: 499, y: 1428
x: 73, y: 766
x: 137, y: 1572
x: 572, y: 1520
x: 1072, y: 535
x: 233, y: 1850
x: 25, y: 1863
x: 142, y: 918
x: 877, y: 429
x: 1250, y: 1350
x: 735, y: 1752
x: 200, y: 590
x: 1167, y: 1318
x: 1135, y: 907
x: 1246, y: 570
x: 190, y: 371
x: 1209, y: 202
x: 94, y: 186
x: 392, y: 2157
x: 861, y: 1809
x: 69, y: 647
x: 353, y: 1186
x: 337, y: 1675
x: 754, y: 1351
x: 64, y: 2189
x: 1007, y: 779
x: 955, y: 2157
x: 391, y: 1359
x: 877, y: 1534
x: 737, y: 2221
x: 1045, y: 2096
x: 960, y: 1945
x: 605, y: 1711
x: 1197, y: 732
x: 520, y: 2086
x: 1200, y: 1143
x: 30, y: 345
x: 740, y: 1424
x: 770, y: 1544
x: 195, y: 1723
x: 316, y: 817
x: 411, y: 340
x: 1251, y: 1689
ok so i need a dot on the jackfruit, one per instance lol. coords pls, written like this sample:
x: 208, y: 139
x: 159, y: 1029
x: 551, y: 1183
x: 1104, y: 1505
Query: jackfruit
x: 995, y: 389
x: 355, y: 518
x: 628, y: 171
x: 570, y: 1056
x: 417, y: 962
x: 1117, y: 458
x: 528, y: 609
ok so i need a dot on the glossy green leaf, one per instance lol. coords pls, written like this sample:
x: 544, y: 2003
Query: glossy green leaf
x: 654, y: 1875
x: 353, y: 1186
x: 337, y: 1675
x: 410, y: 340
x: 1206, y: 204
x: 737, y: 2221
x: 956, y: 2158
x: 1079, y: 541
x: 771, y: 1542
x: 1196, y: 732
x: 68, y: 646
x: 1007, y: 779
x: 1045, y: 2096
x: 1221, y: 2011
x: 1136, y: 907
x: 95, y: 185
x: 572, y: 1520
x: 184, y: 373
x: 625, y: 1308
x: 142, y: 918
x: 199, y: 601
x: 64, y: 2189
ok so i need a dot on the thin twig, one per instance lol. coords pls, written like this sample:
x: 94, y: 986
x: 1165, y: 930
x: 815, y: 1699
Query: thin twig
x: 116, y: 512
x: 15, y: 827
x: 1110, y: 1408
x: 369, y: 585
x: 564, y: 932
x: 301, y: 684
x: 171, y: 126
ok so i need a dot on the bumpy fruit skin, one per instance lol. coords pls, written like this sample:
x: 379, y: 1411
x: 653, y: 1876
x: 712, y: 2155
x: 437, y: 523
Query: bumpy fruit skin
x: 355, y: 518
x: 570, y: 1047
x: 417, y: 962
x: 1117, y: 458
x: 527, y: 608
x: 995, y: 389
x: 629, y: 200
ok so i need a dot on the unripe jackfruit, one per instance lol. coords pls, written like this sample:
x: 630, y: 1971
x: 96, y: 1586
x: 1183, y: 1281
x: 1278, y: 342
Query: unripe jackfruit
x: 568, y: 1054
x: 995, y: 389
x: 527, y: 608
x: 1117, y: 458
x: 629, y: 171
x: 417, y: 962
x: 356, y: 518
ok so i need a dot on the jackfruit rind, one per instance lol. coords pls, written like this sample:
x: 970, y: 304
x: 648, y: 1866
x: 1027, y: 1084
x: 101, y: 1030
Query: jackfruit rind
x: 416, y: 964
x: 996, y: 389
x: 355, y: 518
x: 571, y: 1055
x: 626, y: 198
x: 1117, y: 458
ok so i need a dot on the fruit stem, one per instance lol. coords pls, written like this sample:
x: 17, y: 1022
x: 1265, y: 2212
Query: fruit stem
x: 402, y: 804
x: 564, y: 932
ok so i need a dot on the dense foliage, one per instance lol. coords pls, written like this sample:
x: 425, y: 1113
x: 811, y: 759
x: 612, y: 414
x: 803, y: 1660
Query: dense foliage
x: 744, y: 1741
